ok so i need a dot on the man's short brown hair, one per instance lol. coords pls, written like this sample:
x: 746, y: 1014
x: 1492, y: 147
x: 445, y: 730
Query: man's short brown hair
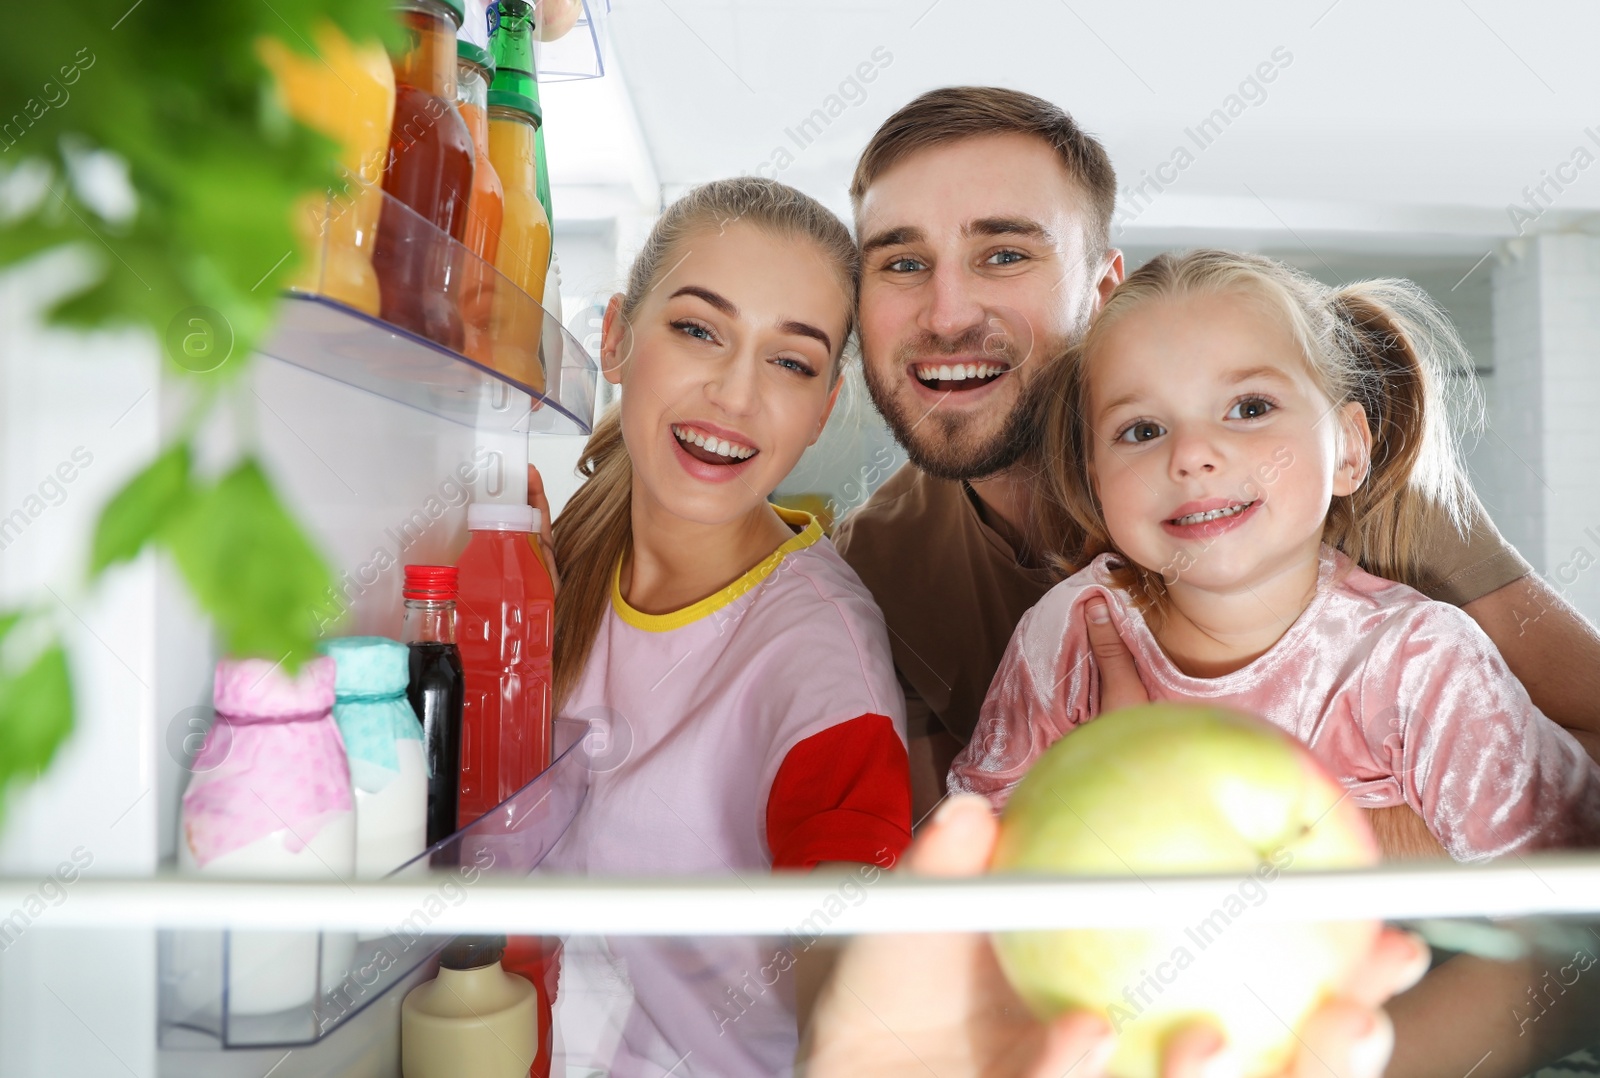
x: 962, y: 112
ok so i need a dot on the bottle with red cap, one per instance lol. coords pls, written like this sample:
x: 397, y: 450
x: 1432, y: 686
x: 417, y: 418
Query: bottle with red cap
x: 437, y: 686
x: 507, y: 624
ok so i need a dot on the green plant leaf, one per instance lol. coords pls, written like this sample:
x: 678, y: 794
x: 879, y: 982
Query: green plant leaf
x: 35, y: 713
x: 178, y: 94
x: 137, y: 512
x: 251, y: 567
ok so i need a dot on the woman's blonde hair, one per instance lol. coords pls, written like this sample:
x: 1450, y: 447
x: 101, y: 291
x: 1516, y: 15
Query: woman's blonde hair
x: 1382, y: 343
x: 595, y: 529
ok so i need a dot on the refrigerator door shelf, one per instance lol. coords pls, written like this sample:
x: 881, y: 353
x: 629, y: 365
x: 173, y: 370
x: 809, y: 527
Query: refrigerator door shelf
x: 524, y: 347
x: 205, y: 991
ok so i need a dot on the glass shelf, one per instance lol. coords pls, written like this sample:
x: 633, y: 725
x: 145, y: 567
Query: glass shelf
x: 330, y: 324
x: 580, y: 52
x: 202, y: 995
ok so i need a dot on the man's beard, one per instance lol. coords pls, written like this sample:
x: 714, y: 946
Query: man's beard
x: 952, y: 445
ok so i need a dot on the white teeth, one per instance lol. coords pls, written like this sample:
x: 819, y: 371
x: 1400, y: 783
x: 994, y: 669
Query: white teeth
x: 959, y: 372
x: 714, y: 445
x: 1213, y: 514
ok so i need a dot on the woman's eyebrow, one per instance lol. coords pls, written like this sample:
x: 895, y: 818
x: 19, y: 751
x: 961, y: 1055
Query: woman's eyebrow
x: 720, y: 302
x: 726, y: 306
x: 806, y: 329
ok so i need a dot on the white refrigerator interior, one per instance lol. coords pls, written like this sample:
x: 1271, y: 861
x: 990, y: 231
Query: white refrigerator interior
x: 377, y: 483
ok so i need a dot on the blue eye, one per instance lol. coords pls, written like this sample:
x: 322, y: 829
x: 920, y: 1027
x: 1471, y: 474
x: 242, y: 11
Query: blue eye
x: 905, y: 265
x: 1250, y: 408
x: 799, y: 366
x: 1141, y: 431
x: 693, y: 329
x: 1006, y: 258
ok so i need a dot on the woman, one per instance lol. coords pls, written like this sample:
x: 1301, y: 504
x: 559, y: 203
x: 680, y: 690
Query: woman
x: 724, y: 638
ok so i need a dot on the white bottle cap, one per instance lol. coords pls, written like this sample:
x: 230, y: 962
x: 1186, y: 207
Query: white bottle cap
x: 496, y: 517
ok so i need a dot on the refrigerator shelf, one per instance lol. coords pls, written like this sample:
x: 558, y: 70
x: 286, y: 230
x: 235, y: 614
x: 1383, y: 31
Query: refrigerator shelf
x: 201, y: 991
x: 520, y: 345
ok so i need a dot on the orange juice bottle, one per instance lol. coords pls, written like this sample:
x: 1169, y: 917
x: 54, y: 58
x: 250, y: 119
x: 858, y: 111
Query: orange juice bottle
x: 345, y: 91
x: 524, y: 255
x: 486, y: 206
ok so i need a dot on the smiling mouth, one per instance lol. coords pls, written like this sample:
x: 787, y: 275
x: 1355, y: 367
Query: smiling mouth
x: 1211, y: 514
x: 709, y: 450
x: 955, y: 377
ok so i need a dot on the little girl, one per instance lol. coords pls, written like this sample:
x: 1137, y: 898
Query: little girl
x: 1234, y: 438
x: 737, y: 668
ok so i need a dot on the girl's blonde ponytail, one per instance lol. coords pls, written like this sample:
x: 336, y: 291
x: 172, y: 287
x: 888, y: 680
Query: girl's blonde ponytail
x: 1403, y: 352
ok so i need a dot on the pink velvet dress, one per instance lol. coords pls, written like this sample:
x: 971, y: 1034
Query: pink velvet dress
x: 1404, y: 699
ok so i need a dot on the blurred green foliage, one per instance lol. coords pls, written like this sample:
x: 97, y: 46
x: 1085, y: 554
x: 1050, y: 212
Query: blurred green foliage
x: 171, y: 92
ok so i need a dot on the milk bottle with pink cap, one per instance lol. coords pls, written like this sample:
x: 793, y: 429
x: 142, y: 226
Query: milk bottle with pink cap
x: 270, y: 799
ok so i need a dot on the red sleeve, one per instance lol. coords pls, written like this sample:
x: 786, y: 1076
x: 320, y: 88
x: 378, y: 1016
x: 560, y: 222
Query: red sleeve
x: 842, y: 795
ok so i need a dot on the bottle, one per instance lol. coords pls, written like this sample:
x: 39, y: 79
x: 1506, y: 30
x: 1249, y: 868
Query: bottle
x: 346, y: 92
x: 538, y: 958
x: 473, y: 1019
x: 507, y: 614
x: 486, y: 207
x: 436, y: 687
x: 270, y: 798
x: 429, y: 171
x: 383, y: 742
x: 524, y: 254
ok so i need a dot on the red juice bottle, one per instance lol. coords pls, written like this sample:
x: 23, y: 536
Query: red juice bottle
x: 506, y: 625
x: 429, y: 169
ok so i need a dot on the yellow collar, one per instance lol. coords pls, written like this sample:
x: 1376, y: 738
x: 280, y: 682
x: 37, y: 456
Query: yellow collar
x: 810, y: 532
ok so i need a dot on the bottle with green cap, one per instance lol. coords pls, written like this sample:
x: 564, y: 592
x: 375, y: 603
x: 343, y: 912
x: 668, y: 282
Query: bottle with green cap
x: 524, y: 251
x: 523, y: 76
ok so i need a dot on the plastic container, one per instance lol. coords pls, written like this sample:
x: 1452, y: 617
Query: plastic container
x: 383, y: 742
x: 524, y: 251
x: 429, y: 169
x: 486, y: 207
x: 473, y: 1019
x: 436, y: 686
x: 270, y: 798
x: 506, y: 627
x: 346, y: 92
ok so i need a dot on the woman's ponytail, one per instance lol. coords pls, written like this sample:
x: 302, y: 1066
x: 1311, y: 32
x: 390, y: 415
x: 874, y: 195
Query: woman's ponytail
x: 591, y: 535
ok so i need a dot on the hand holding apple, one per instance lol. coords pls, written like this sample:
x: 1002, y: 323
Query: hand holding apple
x: 1184, y: 789
x: 905, y: 1005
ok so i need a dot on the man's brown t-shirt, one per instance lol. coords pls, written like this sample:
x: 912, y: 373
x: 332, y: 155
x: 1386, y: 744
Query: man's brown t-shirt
x: 952, y: 591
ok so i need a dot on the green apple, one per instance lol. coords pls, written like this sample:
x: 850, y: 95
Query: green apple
x: 1183, y: 789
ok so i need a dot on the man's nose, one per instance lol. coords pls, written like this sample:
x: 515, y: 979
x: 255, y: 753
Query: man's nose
x: 953, y: 307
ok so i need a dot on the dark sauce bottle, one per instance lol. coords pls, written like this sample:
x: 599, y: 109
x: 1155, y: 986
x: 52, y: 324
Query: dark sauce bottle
x: 437, y: 688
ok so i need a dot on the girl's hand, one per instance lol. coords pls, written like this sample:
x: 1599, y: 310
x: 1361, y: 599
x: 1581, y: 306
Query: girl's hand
x: 911, y: 1004
x: 547, y: 544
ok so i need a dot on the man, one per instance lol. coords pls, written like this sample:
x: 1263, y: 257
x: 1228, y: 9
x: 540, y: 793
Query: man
x: 984, y: 221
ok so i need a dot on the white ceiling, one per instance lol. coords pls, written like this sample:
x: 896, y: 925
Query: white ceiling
x: 1418, y: 121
